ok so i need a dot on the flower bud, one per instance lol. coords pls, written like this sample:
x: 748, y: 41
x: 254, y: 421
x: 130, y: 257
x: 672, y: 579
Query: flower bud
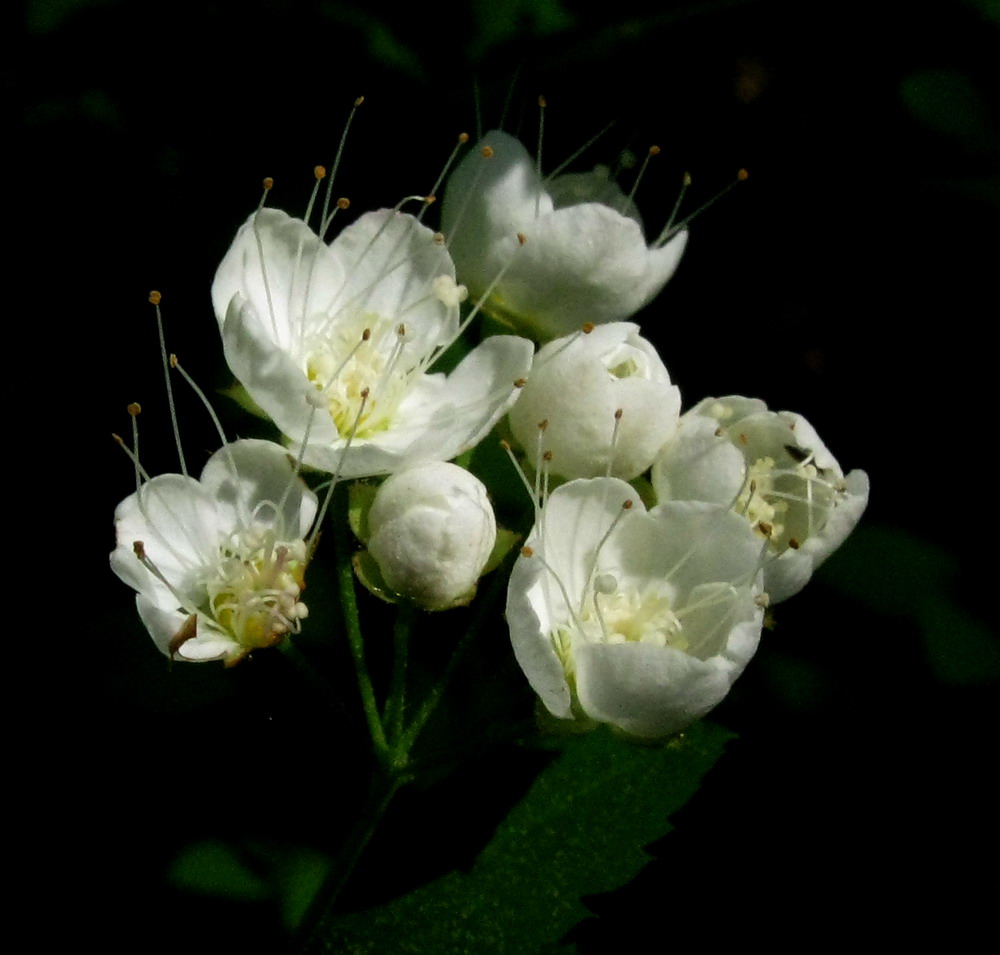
x: 606, y: 400
x: 431, y: 531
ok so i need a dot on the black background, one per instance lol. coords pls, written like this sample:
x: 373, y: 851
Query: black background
x: 852, y: 279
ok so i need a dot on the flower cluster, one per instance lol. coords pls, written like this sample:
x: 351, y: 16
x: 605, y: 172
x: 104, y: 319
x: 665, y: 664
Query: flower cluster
x: 631, y: 604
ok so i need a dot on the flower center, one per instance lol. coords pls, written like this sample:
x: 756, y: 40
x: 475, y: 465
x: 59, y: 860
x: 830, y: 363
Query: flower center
x: 613, y: 614
x: 253, y: 592
x: 353, y: 368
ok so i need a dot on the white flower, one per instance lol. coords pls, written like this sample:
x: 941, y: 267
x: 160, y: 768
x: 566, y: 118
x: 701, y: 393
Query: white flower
x: 336, y: 340
x: 638, y: 619
x: 585, y: 259
x: 772, y: 468
x: 218, y: 563
x: 432, y: 530
x: 578, y: 384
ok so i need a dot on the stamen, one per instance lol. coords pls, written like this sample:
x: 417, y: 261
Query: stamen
x: 653, y: 151
x: 263, y: 266
x: 579, y: 152
x: 154, y: 298
x: 268, y: 185
x: 487, y: 153
x: 314, y: 536
x: 463, y: 138
x: 134, y: 458
x: 532, y: 492
x: 627, y: 505
x: 336, y: 166
x: 320, y: 173
x: 134, y: 410
x: 670, y: 231
x: 614, y: 442
x: 685, y: 185
x: 538, y: 156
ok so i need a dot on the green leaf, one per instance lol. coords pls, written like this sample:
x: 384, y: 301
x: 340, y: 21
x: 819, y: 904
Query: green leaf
x: 579, y: 831
x: 217, y: 869
x: 949, y: 102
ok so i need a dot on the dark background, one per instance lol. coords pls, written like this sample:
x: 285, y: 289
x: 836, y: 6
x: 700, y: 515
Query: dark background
x: 852, y: 279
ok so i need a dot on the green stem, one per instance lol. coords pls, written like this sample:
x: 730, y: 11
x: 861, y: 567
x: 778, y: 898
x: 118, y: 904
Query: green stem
x: 405, y: 742
x: 310, y: 935
x: 395, y: 705
x: 352, y: 622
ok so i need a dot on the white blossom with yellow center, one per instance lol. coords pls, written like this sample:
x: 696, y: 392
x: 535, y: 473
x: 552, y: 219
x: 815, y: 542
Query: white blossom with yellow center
x: 218, y: 563
x: 335, y: 342
x: 772, y: 469
x: 638, y: 619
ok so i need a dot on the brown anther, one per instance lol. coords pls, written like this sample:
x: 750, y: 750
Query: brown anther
x: 753, y: 486
x: 719, y: 432
x: 366, y: 335
x: 521, y: 238
x: 268, y: 183
x: 742, y: 176
x: 463, y: 137
x: 173, y: 361
x: 541, y: 102
x: 743, y: 439
x: 654, y: 150
x: 619, y: 413
x: 139, y: 549
x: 762, y: 600
x: 793, y: 543
x: 439, y: 238
x: 319, y: 172
x: 505, y: 444
x: 430, y: 200
x: 343, y: 203
x: 542, y: 425
x: 118, y: 438
x: 135, y: 408
x: 766, y: 529
x: 526, y: 551
x: 358, y: 101
x: 365, y: 392
x: 547, y: 456
x: 401, y: 330
x: 487, y: 152
x: 588, y: 327
x: 627, y: 505
x: 520, y: 382
x: 154, y: 298
x: 188, y: 631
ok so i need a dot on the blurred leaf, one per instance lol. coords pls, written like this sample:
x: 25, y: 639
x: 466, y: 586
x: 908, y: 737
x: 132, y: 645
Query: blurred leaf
x: 214, y: 868
x: 909, y: 569
x: 299, y: 876
x: 990, y: 9
x: 960, y: 649
x: 499, y: 22
x: 579, y: 831
x: 949, y: 102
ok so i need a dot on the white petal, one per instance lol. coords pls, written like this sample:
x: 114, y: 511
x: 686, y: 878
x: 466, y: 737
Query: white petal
x: 648, y: 691
x: 530, y: 625
x: 246, y: 474
x: 299, y: 277
x: 392, y: 263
